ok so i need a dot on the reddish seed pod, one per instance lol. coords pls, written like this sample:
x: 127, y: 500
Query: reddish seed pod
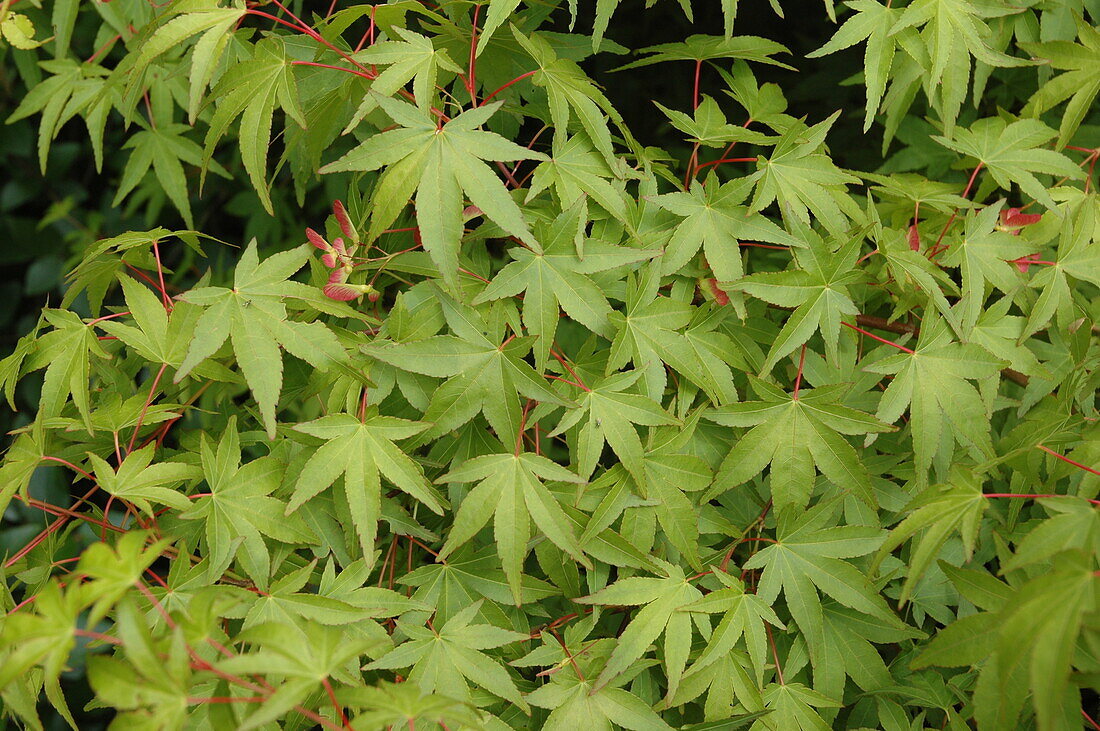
x: 344, y: 220
x: 1013, y: 219
x: 914, y: 238
x: 317, y: 240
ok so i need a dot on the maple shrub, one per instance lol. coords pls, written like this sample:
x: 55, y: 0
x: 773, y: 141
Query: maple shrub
x: 542, y: 425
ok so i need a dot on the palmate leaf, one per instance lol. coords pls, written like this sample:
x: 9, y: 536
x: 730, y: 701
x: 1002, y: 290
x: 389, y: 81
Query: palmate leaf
x: 707, y: 126
x: 1080, y: 84
x: 804, y: 180
x: 253, y: 317
x: 393, y: 704
x: 575, y: 171
x: 743, y: 616
x: 937, y: 514
x: 65, y: 352
x: 239, y: 511
x: 467, y: 577
x: 872, y: 23
x: 362, y: 451
x: 794, y: 434
x: 159, y: 336
x: 650, y: 334
x: 710, y: 48
x: 439, y: 164
x: 138, y: 482
x: 807, y: 559
x: 251, y: 90
x: 413, y: 58
x: 72, y: 89
x: 163, y: 150
x: 714, y: 220
x: 572, y: 697
x: 557, y: 278
x: 447, y: 658
x: 1078, y: 258
x: 572, y: 95
x: 664, y: 612
x: 485, y: 374
x: 1012, y: 154
x: 982, y: 254
x: 932, y: 383
x: 607, y: 414
x: 951, y: 31
x: 1026, y: 645
x: 818, y: 288
x: 510, y: 487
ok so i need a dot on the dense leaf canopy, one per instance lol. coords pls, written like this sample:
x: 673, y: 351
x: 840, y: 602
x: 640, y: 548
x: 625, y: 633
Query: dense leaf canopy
x: 777, y: 411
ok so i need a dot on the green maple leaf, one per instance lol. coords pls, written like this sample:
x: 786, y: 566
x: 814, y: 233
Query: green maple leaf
x: 710, y: 48
x: 138, y: 482
x: 43, y: 638
x: 164, y: 149
x: 252, y: 316
x: 819, y: 290
x: 1078, y: 258
x: 363, y: 452
x: 484, y: 374
x: 467, y: 577
x: 557, y: 278
x: 807, y: 560
x: 413, y: 58
x: 668, y: 477
x: 1026, y: 645
x: 159, y: 336
x: 708, y: 127
x: 849, y: 650
x: 251, y: 90
x: 609, y: 416
x: 576, y: 170
x: 728, y: 682
x: 937, y: 514
x: 572, y: 95
x: 951, y: 32
x: 792, y: 706
x: 65, y: 352
x: 439, y: 164
x: 714, y: 220
x: 1001, y: 334
x: 804, y: 180
x: 574, y: 704
x: 392, y: 704
x: 663, y: 601
x: 932, y: 383
x: 872, y: 23
x: 239, y: 511
x: 743, y: 615
x: 303, y: 659
x: 72, y: 88
x: 1012, y: 154
x: 983, y: 255
x: 793, y: 435
x: 650, y: 334
x: 287, y: 602
x: 153, y: 680
x: 1080, y: 84
x: 510, y: 487
x: 445, y: 659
